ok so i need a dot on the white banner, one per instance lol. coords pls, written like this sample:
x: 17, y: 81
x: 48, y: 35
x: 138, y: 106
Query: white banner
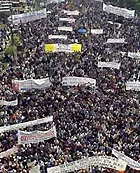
x: 62, y: 48
x: 133, y: 86
x: 130, y: 162
x: 97, y: 31
x: 26, y: 124
x: 70, y: 20
x: 65, y: 28
x: 35, y: 136
x: 101, y: 161
x: 116, y: 40
x: 99, y: 0
x: 71, y: 13
x: 28, y: 17
x: 64, y: 37
x: 74, y: 81
x: 9, y: 152
x: 54, y: 1
x: 134, y: 55
x: 31, y: 84
x: 119, y: 11
x: 35, y: 169
x: 109, y: 64
x: 9, y: 103
x: 69, y: 48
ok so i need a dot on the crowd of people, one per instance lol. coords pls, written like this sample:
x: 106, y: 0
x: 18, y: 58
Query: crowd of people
x: 89, y: 120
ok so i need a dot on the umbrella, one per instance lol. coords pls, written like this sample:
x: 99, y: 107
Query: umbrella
x: 81, y: 30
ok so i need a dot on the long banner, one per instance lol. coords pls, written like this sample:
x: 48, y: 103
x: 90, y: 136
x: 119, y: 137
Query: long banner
x: 70, y: 20
x: 7, y: 153
x: 69, y: 48
x: 65, y: 28
x: 97, y: 31
x: 101, y: 161
x: 71, y: 13
x: 99, y: 0
x: 119, y: 11
x: 132, y: 54
x: 9, y: 103
x: 35, y: 136
x: 74, y: 81
x: 31, y: 84
x: 64, y: 37
x: 130, y: 162
x: 109, y: 64
x: 54, y: 1
x: 28, y: 17
x: 116, y: 40
x: 133, y: 86
x: 26, y: 124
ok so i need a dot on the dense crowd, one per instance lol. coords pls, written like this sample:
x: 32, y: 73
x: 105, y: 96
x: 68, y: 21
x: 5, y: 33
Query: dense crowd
x: 89, y: 121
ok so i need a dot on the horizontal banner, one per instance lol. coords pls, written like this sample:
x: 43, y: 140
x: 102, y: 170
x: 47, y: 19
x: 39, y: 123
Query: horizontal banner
x: 9, y: 152
x: 132, y: 54
x: 70, y: 20
x: 133, y: 86
x: 26, y: 124
x: 35, y: 136
x: 54, y: 1
x: 71, y: 13
x: 109, y: 64
x: 74, y: 81
x: 9, y: 103
x: 65, y: 28
x: 99, y: 0
x: 28, y: 17
x: 97, y: 31
x: 116, y: 40
x: 31, y: 84
x: 63, y: 48
x: 100, y: 161
x: 119, y: 11
x: 63, y: 37
x: 130, y: 162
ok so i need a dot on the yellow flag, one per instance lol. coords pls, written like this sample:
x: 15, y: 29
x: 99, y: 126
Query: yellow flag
x: 49, y: 47
x: 76, y: 47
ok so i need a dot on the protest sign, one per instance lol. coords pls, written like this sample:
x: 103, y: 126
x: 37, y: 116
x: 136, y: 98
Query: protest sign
x: 70, y: 20
x: 74, y: 81
x: 28, y: 17
x: 100, y: 161
x: 133, y: 85
x: 109, y: 65
x: 32, y: 84
x: 119, y: 11
x: 35, y: 136
x: 71, y: 13
x: 26, y: 124
x: 69, y: 48
x: 65, y: 28
x: 9, y: 103
x: 97, y: 31
x: 64, y: 37
x: 116, y: 40
x: 130, y: 162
